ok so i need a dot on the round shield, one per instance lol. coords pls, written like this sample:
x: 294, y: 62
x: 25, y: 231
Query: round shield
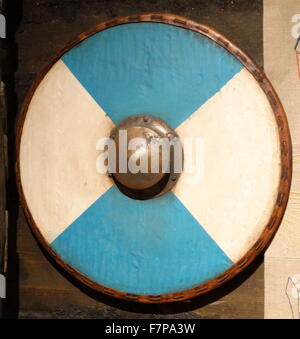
x: 208, y: 222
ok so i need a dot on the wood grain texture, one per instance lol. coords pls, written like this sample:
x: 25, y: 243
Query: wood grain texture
x: 3, y: 175
x: 3, y: 231
x: 3, y: 164
x: 3, y: 171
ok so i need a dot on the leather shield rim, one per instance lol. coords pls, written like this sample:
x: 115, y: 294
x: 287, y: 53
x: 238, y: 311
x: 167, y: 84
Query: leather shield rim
x: 285, y: 147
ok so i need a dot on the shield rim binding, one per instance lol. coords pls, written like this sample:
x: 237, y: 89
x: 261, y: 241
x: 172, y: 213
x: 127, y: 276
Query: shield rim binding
x: 285, y: 156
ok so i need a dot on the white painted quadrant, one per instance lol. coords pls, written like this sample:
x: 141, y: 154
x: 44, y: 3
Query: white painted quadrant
x: 58, y: 155
x: 236, y: 196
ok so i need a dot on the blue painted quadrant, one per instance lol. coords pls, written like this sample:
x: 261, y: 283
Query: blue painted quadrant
x: 152, y: 68
x: 144, y: 247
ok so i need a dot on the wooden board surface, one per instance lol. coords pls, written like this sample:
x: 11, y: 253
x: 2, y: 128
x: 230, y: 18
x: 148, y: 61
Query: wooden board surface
x: 145, y: 248
x: 38, y: 296
x: 3, y: 229
x: 3, y: 172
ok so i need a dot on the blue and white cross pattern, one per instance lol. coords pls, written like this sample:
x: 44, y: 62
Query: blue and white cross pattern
x: 196, y: 231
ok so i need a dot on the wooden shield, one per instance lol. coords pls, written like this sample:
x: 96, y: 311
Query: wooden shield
x: 202, y: 233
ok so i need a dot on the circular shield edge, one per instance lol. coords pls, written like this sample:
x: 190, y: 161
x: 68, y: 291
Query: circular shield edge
x: 285, y: 155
